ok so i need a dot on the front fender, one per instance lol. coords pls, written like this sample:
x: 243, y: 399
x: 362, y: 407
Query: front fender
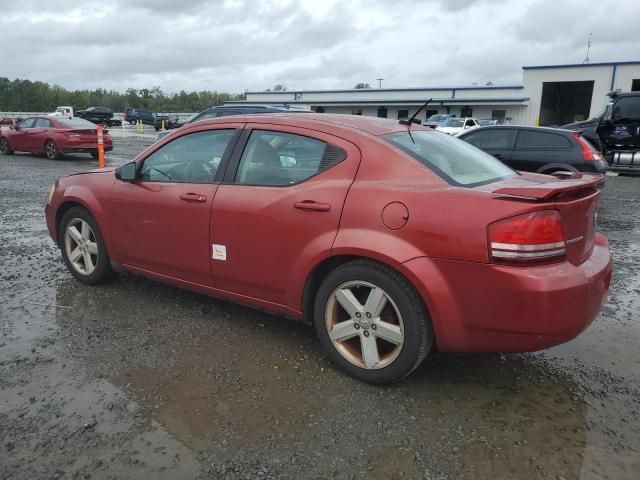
x: 95, y: 205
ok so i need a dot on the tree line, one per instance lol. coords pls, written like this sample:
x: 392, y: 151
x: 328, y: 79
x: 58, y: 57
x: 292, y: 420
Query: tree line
x: 26, y: 96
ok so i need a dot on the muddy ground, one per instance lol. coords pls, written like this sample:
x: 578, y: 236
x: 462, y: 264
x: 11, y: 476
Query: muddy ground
x: 136, y: 379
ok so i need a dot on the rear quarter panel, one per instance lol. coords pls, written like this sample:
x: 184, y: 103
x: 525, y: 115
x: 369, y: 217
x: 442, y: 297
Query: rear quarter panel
x: 443, y: 221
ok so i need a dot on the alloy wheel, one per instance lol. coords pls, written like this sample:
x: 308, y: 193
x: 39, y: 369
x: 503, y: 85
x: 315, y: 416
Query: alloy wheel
x: 81, y: 246
x: 51, y: 150
x: 364, y: 324
x: 4, y: 146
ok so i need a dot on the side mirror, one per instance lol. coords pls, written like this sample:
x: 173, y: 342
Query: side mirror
x: 127, y: 172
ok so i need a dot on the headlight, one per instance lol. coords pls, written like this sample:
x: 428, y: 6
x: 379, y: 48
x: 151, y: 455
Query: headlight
x: 53, y: 189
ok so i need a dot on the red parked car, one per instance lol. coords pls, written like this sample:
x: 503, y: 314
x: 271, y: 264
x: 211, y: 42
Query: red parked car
x: 392, y: 242
x: 53, y: 136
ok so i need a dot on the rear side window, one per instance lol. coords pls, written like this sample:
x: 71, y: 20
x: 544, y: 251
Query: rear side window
x: 627, y: 108
x: 492, y: 139
x: 43, y: 123
x: 532, y: 140
x: 458, y: 162
x: 282, y: 159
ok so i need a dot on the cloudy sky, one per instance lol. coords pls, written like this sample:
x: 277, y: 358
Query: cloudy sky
x: 236, y: 45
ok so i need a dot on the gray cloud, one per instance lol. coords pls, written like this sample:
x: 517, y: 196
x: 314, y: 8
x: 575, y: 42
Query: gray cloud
x: 233, y: 45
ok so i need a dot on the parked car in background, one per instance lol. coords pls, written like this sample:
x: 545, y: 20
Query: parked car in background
x: 436, y: 120
x: 455, y: 126
x: 339, y: 220
x: 168, y: 121
x: 53, y: 136
x: 616, y: 131
x: 10, y: 120
x: 485, y: 122
x: 537, y: 149
x: 132, y: 115
x: 224, y: 111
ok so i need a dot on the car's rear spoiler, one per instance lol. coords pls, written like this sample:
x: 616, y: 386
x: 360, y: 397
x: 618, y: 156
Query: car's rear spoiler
x: 545, y: 191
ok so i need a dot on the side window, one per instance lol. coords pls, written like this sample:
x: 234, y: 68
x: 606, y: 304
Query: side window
x: 530, y: 139
x: 492, y: 139
x: 627, y: 108
x: 191, y: 158
x: 28, y: 123
x: 281, y: 159
x: 43, y: 123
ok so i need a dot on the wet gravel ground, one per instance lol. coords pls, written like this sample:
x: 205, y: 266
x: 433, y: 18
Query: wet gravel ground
x: 136, y: 379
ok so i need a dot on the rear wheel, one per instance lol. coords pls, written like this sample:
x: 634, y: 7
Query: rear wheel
x: 372, y: 322
x: 83, y: 248
x: 51, y: 150
x: 5, y: 148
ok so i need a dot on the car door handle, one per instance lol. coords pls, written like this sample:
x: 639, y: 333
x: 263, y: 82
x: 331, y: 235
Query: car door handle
x: 313, y: 206
x: 193, y: 197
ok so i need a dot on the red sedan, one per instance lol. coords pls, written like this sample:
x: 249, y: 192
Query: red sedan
x: 391, y: 241
x: 53, y: 136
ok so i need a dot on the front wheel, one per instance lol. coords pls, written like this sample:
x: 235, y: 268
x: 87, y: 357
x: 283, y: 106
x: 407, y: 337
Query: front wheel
x: 372, y: 322
x: 5, y: 148
x: 83, y: 248
x: 51, y: 150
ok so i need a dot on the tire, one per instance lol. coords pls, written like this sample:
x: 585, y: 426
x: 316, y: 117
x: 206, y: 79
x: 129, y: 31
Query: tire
x: 92, y: 264
x: 5, y: 148
x: 51, y: 150
x: 403, y: 319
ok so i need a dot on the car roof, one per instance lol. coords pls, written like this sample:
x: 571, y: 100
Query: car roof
x: 520, y: 127
x: 371, y: 125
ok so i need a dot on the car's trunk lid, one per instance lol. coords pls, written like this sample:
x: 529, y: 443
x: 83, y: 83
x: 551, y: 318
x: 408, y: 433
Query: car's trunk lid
x: 576, y: 198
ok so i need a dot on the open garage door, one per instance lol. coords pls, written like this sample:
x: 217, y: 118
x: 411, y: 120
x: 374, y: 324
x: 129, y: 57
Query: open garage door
x: 565, y: 102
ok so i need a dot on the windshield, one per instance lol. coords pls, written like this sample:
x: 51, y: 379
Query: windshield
x: 76, y: 122
x: 437, y: 118
x: 453, y: 122
x: 458, y: 162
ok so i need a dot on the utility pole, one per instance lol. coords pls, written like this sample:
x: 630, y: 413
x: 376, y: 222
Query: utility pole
x: 379, y: 82
x: 586, y: 59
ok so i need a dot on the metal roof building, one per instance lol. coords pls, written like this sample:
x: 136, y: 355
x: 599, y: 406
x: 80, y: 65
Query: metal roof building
x: 548, y: 95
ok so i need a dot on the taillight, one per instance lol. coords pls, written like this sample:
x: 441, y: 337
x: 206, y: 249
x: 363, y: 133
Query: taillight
x: 589, y: 154
x: 531, y: 238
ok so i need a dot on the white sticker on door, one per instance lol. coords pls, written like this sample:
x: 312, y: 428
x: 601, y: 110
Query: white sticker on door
x: 218, y: 252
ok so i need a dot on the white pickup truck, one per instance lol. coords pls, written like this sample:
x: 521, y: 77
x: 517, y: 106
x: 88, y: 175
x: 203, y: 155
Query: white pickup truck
x: 63, y: 112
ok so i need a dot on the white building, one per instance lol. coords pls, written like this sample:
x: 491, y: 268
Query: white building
x: 549, y: 95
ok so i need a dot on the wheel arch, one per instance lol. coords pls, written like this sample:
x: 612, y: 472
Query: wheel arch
x: 94, y: 209
x: 554, y: 167
x: 320, y: 271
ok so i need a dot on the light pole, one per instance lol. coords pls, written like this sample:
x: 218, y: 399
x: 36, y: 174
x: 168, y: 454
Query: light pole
x: 379, y: 82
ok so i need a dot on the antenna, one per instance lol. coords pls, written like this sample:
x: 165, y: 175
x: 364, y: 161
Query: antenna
x: 379, y: 82
x: 412, y: 119
x: 586, y: 59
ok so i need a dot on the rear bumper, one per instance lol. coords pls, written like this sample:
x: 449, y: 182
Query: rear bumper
x: 84, y: 147
x: 486, y: 307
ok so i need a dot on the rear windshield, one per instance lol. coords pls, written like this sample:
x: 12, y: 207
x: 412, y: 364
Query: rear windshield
x: 76, y: 122
x: 458, y: 162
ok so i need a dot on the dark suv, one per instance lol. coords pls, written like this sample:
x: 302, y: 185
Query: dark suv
x: 537, y: 149
x: 616, y: 131
x: 224, y: 110
x: 132, y: 115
